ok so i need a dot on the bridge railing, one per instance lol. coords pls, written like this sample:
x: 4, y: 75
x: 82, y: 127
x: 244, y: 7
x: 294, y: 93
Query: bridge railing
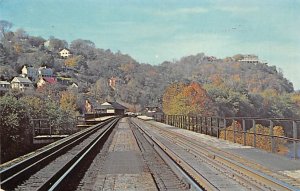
x: 277, y: 135
x: 44, y: 126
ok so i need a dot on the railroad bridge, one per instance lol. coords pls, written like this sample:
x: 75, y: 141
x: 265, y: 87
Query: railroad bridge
x: 176, y: 153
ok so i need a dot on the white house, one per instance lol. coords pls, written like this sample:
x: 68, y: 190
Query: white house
x: 21, y: 84
x: 65, y: 53
x: 250, y: 59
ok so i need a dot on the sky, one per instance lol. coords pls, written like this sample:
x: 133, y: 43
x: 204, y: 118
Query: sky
x: 153, y: 31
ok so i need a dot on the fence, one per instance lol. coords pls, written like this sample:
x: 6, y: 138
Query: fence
x: 45, y: 127
x: 274, y: 135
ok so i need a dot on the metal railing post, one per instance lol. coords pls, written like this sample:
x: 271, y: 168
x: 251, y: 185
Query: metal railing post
x: 201, y: 121
x: 233, y: 125
x: 254, y: 132
x: 244, y: 131
x: 294, y: 141
x: 189, y: 122
x: 196, y: 124
x: 40, y: 124
x: 211, y: 124
x: 193, y: 123
x: 180, y: 121
x: 206, y: 125
x: 225, y: 126
x: 272, y: 137
x: 218, y: 127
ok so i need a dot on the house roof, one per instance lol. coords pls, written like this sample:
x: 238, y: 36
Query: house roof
x: 46, y: 71
x: 4, y: 83
x: 74, y: 85
x: 22, y: 80
x: 112, y: 105
x: 50, y: 80
x: 64, y: 49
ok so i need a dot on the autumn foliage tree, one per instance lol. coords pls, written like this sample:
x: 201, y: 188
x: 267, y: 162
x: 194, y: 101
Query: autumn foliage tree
x: 71, y: 62
x: 68, y: 102
x: 187, y: 99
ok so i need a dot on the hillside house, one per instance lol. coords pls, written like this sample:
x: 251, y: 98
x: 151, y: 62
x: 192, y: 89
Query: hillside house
x: 65, y: 53
x: 113, y: 108
x: 45, y: 72
x: 34, y: 73
x: 46, y: 80
x: 47, y: 43
x: 30, y: 72
x: 4, y: 87
x: 250, y: 59
x: 21, y: 84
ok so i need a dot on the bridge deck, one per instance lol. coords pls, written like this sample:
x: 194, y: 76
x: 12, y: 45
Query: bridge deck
x: 270, y: 161
x: 124, y: 167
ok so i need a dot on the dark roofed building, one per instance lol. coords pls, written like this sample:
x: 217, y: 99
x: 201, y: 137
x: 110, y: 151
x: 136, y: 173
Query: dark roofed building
x: 112, y: 107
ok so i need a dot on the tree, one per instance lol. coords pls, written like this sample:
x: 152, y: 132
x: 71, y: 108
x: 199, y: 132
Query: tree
x: 85, y: 48
x: 74, y: 61
x: 15, y: 130
x: 187, y: 99
x: 36, y: 41
x: 100, y: 90
x: 5, y: 26
x: 56, y: 44
x: 68, y: 102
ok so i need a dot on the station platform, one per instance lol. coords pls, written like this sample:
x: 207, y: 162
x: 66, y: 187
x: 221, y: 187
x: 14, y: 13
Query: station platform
x: 273, y: 162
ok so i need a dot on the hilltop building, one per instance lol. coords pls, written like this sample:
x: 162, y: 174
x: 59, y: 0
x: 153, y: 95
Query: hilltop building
x: 250, y: 59
x: 65, y: 53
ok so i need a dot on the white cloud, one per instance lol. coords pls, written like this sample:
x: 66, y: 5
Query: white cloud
x: 237, y: 9
x: 182, y: 11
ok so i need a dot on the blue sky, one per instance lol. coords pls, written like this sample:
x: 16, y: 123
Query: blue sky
x: 153, y: 31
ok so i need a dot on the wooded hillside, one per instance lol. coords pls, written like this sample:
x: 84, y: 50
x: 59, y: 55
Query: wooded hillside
x: 234, y: 88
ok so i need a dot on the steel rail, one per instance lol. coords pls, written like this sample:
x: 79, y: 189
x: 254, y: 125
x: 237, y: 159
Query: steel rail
x: 22, y: 170
x: 181, y: 168
x: 215, y: 155
x: 55, y: 182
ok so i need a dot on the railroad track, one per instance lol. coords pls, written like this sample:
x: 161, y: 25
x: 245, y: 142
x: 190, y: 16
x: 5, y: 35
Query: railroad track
x: 128, y: 161
x: 48, y: 169
x: 242, y: 172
